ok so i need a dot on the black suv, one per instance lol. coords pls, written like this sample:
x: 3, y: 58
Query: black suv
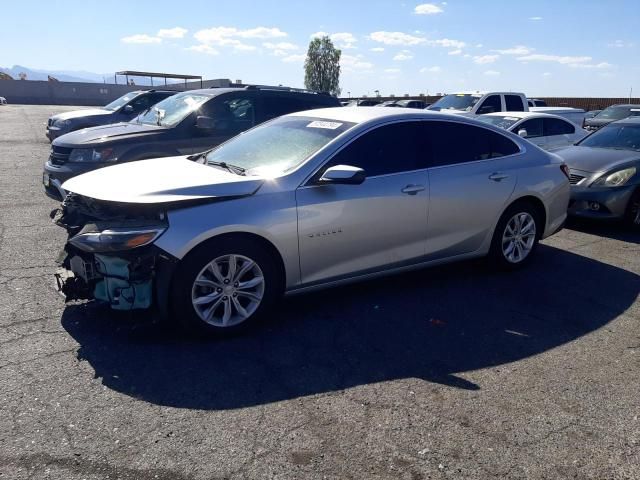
x: 186, y: 123
x: 610, y: 114
x: 121, y: 109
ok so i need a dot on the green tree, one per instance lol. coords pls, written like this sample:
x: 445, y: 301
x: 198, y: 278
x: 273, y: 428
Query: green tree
x: 322, y: 66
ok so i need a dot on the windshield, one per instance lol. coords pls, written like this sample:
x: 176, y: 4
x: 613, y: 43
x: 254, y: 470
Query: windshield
x: 123, y: 100
x: 172, y: 110
x: 614, y: 113
x: 621, y: 137
x: 458, y: 101
x: 498, y: 120
x: 278, y: 146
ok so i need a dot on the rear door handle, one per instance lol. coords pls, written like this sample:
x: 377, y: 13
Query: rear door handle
x: 498, y: 176
x: 412, y: 189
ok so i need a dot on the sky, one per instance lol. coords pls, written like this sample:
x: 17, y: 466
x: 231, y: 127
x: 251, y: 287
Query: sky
x: 541, y: 48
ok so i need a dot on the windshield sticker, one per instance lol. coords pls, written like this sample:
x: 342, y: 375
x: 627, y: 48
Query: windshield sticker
x: 328, y: 125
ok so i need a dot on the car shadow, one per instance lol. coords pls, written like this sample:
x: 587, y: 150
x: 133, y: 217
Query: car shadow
x: 606, y: 229
x: 431, y: 324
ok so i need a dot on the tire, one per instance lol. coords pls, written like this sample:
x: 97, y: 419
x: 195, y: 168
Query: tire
x: 218, y: 303
x: 632, y: 213
x: 501, y: 255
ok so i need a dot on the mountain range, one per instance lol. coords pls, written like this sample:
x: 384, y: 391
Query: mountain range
x: 67, y: 75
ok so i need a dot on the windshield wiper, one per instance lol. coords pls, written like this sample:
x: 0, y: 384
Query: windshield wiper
x: 232, y: 168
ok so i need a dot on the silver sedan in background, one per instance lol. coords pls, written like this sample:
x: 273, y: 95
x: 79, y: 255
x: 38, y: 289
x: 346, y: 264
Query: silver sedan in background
x: 308, y: 200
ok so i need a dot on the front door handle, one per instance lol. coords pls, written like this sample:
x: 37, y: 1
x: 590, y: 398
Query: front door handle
x: 412, y: 189
x: 498, y: 176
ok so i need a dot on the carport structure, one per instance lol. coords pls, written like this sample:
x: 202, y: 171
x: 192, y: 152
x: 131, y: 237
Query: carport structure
x: 152, y: 75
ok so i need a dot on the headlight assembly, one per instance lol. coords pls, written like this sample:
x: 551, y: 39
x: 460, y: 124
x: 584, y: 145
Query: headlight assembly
x: 116, y: 239
x: 80, y: 155
x: 615, y: 179
x: 61, y: 123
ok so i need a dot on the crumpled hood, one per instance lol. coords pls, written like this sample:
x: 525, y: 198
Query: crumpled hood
x: 161, y: 180
x: 106, y: 133
x: 90, y: 112
x: 591, y: 160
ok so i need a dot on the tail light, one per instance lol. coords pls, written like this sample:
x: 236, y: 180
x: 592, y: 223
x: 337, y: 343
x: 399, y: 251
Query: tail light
x: 565, y: 170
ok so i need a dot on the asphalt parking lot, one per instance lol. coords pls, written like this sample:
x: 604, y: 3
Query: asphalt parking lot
x: 454, y: 372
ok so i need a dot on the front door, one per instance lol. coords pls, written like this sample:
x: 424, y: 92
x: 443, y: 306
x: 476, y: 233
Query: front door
x: 349, y: 229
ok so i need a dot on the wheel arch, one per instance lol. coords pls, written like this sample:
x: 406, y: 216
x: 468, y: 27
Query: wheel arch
x: 536, y: 202
x: 253, y: 237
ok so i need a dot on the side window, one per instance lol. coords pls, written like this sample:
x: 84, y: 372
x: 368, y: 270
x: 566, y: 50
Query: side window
x: 388, y: 149
x: 140, y: 103
x: 273, y: 106
x: 231, y: 114
x: 452, y: 143
x: 555, y: 126
x: 513, y: 103
x: 533, y: 127
x: 491, y: 104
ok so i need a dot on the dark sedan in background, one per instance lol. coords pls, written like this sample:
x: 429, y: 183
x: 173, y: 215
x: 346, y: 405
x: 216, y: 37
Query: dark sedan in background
x: 605, y: 173
x: 121, y: 109
x: 611, y: 114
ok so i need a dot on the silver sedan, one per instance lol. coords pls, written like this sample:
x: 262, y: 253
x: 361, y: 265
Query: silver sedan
x: 306, y: 201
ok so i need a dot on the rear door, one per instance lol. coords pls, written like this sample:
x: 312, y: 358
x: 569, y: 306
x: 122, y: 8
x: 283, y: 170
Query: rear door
x: 471, y: 180
x: 559, y: 132
x: 348, y: 229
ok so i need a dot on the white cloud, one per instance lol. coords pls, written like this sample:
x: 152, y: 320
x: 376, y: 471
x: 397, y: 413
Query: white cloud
x: 455, y: 52
x: 280, y: 49
x: 479, y: 45
x: 620, y: 44
x: 355, y: 63
x: 392, y: 70
x: 427, y: 9
x: 403, y: 55
x: 377, y: 49
x: 535, y: 19
x: 343, y: 40
x: 294, y: 58
x: 517, y: 50
x: 202, y: 48
x: 435, y: 69
x: 492, y: 73
x: 565, y: 60
x: 446, y: 43
x: 546, y: 74
x: 141, y: 38
x: 176, y: 32
x: 228, y: 36
x: 600, y: 65
x: 484, y: 59
x: 396, y: 38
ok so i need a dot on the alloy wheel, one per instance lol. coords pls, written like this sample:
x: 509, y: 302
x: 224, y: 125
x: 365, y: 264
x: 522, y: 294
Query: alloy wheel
x: 519, y: 237
x: 228, y: 290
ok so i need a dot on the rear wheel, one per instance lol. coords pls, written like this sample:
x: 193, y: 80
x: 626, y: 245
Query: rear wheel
x: 632, y: 215
x: 224, y: 286
x: 516, y: 236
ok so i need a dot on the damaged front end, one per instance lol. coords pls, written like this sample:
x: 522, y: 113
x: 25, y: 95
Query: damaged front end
x: 109, y: 255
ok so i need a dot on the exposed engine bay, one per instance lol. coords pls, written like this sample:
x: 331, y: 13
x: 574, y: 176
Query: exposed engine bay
x: 108, y: 255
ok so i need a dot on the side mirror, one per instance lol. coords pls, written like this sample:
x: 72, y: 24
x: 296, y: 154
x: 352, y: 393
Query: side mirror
x: 343, y: 175
x: 128, y: 109
x: 523, y: 133
x: 205, y: 123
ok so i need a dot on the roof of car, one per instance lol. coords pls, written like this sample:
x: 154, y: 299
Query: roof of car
x: 628, y: 120
x: 364, y: 114
x: 628, y: 105
x: 523, y: 115
x: 214, y: 92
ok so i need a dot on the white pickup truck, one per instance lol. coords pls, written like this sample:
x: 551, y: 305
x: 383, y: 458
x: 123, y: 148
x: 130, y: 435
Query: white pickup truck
x: 479, y: 103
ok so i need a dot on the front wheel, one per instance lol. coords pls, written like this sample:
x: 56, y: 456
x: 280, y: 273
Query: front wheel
x: 516, y: 236
x: 632, y: 215
x: 224, y: 286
